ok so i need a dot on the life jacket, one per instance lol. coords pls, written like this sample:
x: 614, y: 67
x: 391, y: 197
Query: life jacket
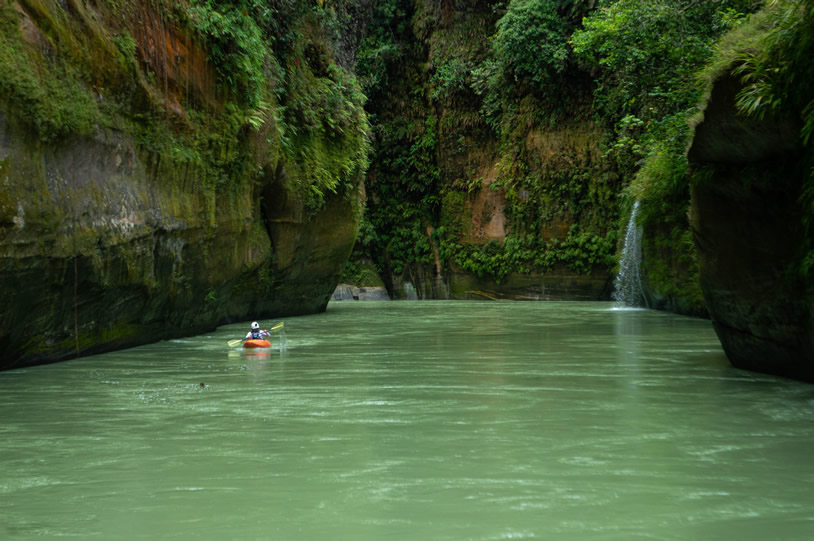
x: 256, y: 335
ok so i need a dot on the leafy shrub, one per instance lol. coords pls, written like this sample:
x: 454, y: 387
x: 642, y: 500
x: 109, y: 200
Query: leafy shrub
x: 778, y: 72
x: 649, y: 52
x: 532, y: 40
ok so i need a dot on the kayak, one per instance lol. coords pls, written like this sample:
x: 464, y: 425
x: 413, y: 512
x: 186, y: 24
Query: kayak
x: 256, y: 344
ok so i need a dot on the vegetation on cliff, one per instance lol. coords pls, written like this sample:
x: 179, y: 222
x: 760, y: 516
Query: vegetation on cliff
x: 648, y: 53
x: 460, y: 101
x: 566, y: 111
x: 751, y: 158
x: 224, y: 87
x: 780, y: 77
x: 774, y: 63
x: 770, y: 57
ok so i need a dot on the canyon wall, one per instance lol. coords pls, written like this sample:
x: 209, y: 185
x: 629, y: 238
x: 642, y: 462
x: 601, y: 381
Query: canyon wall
x: 142, y: 197
x: 747, y: 219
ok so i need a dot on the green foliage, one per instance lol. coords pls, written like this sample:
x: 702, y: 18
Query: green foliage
x: 455, y: 215
x: 531, y: 40
x: 235, y: 45
x: 361, y: 273
x: 649, y: 53
x: 777, y: 74
x: 450, y: 77
x: 662, y: 182
x: 443, y: 91
x: 585, y: 250
x: 672, y: 269
x: 384, y: 45
x: 405, y: 200
x: 528, y: 76
x: 643, y: 56
x: 581, y: 251
x: 276, y: 81
x: 126, y: 45
x: 328, y: 149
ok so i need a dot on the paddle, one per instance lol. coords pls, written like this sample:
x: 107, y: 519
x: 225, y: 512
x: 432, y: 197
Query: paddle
x: 235, y: 342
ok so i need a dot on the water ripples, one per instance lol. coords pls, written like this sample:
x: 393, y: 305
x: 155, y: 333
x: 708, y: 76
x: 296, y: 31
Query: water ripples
x: 416, y: 420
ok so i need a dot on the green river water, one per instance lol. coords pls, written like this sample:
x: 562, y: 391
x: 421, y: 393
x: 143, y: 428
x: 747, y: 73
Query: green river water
x: 413, y: 420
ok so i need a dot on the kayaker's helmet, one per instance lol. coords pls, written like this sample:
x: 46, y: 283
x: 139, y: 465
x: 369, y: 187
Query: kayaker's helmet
x: 255, y: 326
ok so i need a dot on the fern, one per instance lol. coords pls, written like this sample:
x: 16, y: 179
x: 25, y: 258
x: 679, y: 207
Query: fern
x: 777, y: 75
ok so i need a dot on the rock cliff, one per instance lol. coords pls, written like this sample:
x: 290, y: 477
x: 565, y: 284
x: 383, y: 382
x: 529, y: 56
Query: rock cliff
x: 149, y: 190
x: 747, y: 221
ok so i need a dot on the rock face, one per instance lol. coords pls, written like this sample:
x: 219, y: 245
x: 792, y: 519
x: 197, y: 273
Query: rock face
x: 746, y: 217
x: 557, y: 285
x: 97, y: 254
x: 166, y: 203
x: 347, y: 292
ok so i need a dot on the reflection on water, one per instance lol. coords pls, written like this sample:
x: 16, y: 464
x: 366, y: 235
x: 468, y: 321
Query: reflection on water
x: 413, y: 420
x: 251, y: 354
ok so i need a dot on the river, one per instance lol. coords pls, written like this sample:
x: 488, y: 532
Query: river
x: 413, y: 420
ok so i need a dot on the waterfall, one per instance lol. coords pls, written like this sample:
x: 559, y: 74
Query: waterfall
x: 628, y: 285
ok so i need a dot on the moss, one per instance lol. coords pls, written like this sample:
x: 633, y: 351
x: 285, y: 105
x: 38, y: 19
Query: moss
x: 671, y: 266
x: 88, y: 342
x: 8, y: 203
x: 45, y: 92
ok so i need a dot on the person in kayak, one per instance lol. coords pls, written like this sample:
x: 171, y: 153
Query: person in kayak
x: 257, y: 333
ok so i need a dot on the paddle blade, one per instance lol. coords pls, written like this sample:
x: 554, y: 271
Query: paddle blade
x: 233, y: 343
x: 277, y: 327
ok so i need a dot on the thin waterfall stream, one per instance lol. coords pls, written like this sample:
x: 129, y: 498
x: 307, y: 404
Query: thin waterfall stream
x: 628, y: 289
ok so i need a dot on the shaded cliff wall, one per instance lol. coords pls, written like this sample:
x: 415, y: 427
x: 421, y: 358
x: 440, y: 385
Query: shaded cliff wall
x: 149, y: 190
x: 751, y: 196
x: 747, y: 222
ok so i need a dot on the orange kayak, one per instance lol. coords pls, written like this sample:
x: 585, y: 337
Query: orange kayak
x: 256, y: 344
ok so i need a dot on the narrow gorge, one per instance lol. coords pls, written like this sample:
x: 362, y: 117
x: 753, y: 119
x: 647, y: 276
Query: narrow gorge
x: 168, y: 167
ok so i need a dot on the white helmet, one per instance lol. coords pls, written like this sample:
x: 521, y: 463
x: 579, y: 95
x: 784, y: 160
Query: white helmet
x: 255, y: 325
